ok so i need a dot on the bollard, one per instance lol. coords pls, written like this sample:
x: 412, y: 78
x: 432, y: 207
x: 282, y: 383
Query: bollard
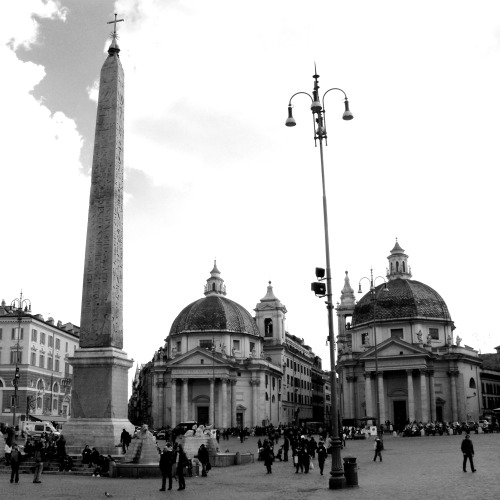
x: 350, y: 471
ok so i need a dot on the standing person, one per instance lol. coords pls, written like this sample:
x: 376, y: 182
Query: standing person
x: 15, y: 460
x: 203, y: 458
x: 468, y: 451
x: 322, y: 453
x: 181, y: 462
x: 378, y: 447
x: 167, y: 459
x: 286, y: 447
x: 38, y: 456
x: 268, y: 456
x: 124, y: 440
x: 61, y: 447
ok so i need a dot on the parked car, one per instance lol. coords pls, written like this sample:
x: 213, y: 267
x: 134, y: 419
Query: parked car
x: 161, y: 435
x: 180, y: 429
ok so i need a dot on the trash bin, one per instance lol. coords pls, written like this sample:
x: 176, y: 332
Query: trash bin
x: 351, y: 471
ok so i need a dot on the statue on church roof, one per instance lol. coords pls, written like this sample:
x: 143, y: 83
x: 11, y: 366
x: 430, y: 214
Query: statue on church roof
x: 419, y: 336
x: 458, y: 340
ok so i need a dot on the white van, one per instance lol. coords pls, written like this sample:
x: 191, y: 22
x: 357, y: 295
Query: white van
x: 36, y: 429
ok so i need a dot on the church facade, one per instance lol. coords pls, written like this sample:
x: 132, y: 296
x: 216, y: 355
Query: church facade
x: 221, y: 365
x: 398, y: 356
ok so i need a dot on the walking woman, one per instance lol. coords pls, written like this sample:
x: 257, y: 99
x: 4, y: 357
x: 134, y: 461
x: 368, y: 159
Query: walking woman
x: 182, y: 461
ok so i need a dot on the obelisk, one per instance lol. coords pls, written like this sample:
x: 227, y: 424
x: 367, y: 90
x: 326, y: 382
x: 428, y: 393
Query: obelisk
x: 99, y: 407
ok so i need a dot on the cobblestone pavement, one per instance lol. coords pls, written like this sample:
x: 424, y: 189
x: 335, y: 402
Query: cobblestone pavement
x: 412, y: 469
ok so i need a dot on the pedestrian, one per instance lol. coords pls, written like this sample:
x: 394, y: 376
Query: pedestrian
x: 378, y: 447
x: 86, y: 453
x: 124, y: 440
x: 8, y: 451
x: 468, y: 451
x: 204, y: 459
x: 38, y: 456
x: 268, y: 456
x: 15, y: 460
x: 182, y: 461
x: 167, y: 459
x: 61, y: 447
x: 322, y: 454
x: 286, y: 447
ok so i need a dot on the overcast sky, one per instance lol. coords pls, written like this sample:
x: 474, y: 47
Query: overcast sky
x: 212, y: 172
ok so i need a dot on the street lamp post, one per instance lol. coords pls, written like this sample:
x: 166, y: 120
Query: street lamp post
x: 337, y: 479
x: 18, y: 305
x: 373, y: 300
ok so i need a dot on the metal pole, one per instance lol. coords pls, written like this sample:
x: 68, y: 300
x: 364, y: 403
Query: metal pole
x: 337, y: 479
x: 377, y: 395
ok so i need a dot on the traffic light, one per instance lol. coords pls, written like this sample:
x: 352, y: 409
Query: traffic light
x: 318, y: 289
x: 17, y: 373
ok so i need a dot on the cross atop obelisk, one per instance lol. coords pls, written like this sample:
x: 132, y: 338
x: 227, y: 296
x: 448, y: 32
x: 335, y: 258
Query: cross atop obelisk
x: 114, y: 34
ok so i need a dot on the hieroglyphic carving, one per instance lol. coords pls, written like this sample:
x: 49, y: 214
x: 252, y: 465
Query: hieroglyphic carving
x: 102, y: 298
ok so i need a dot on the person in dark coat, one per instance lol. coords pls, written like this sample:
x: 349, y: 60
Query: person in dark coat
x: 182, y: 461
x: 378, y: 447
x: 61, y: 447
x: 468, y: 452
x: 286, y: 447
x: 268, y: 457
x: 167, y: 459
x: 86, y: 453
x: 322, y: 454
x: 204, y: 459
x: 15, y: 460
x: 39, y: 458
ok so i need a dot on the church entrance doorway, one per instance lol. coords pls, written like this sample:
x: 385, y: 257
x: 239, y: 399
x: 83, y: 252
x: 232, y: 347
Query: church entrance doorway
x: 203, y: 415
x: 439, y: 413
x: 239, y: 419
x: 400, y: 416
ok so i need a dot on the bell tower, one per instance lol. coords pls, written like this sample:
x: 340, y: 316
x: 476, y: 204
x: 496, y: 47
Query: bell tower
x: 345, y: 310
x: 398, y: 264
x: 270, y: 316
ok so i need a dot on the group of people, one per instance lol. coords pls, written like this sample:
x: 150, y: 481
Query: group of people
x: 100, y: 463
x: 173, y: 459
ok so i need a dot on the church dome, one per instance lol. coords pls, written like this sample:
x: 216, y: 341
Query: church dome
x: 403, y: 299
x: 214, y: 312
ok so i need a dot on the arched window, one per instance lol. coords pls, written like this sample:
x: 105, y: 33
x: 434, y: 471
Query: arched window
x: 472, y: 383
x: 404, y: 268
x: 213, y: 287
x: 397, y: 267
x: 267, y: 396
x: 391, y: 267
x: 268, y: 327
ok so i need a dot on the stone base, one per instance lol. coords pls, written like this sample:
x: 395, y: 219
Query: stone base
x: 101, y: 433
x: 191, y: 445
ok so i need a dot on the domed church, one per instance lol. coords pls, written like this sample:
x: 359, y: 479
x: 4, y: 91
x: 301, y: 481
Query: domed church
x: 397, y: 353
x: 221, y: 365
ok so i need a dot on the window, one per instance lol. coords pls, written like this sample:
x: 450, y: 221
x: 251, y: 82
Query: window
x: 14, y: 334
x: 66, y: 347
x: 41, y: 361
x: 57, y: 365
x: 267, y: 380
x: 472, y: 383
x: 252, y: 346
x: 364, y: 339
x: 397, y: 333
x: 287, y: 362
x: 236, y: 345
x: 54, y: 404
x: 202, y: 361
x: 49, y: 363
x: 66, y: 369
x: 34, y: 335
x: 178, y: 344
x: 58, y: 344
x: 51, y: 341
x: 1, y: 333
x: 14, y: 401
x: 42, y: 338
x: 268, y: 327
x: 206, y: 344
x: 13, y: 355
x: 434, y: 333
x: 33, y: 358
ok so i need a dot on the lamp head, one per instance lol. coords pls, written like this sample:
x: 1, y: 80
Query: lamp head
x: 290, y: 121
x: 360, y: 291
x: 347, y: 113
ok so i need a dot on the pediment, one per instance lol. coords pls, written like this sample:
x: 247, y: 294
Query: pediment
x: 195, y: 357
x: 395, y: 347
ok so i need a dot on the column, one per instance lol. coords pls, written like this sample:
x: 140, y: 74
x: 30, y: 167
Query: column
x: 255, y: 402
x: 173, y: 415
x: 368, y: 394
x: 411, y: 397
x: 433, y: 395
x: 233, y: 403
x: 154, y: 400
x: 161, y: 390
x: 184, y: 403
x: 454, y: 413
x: 211, y: 409
x: 348, y: 408
x: 381, y: 398
x: 423, y: 396
x: 224, y: 403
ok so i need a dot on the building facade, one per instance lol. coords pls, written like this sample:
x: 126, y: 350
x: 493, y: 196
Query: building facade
x: 221, y: 365
x: 42, y: 348
x: 398, y: 355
